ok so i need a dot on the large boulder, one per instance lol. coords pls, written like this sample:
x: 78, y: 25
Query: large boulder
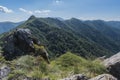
x: 104, y: 77
x: 22, y: 42
x: 113, y: 65
x: 23, y: 39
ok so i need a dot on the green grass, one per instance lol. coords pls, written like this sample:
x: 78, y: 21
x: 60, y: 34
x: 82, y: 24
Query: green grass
x: 74, y: 64
x: 64, y: 66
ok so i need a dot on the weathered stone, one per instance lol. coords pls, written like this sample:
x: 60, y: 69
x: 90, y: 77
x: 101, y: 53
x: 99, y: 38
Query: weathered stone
x: 22, y: 38
x: 22, y: 42
x: 23, y: 77
x: 113, y: 65
x: 76, y: 77
x: 104, y: 77
x: 4, y: 71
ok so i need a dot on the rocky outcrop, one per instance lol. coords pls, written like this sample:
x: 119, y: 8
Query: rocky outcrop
x: 104, y: 77
x: 83, y: 77
x: 4, y: 71
x: 113, y: 65
x: 76, y: 77
x: 21, y: 42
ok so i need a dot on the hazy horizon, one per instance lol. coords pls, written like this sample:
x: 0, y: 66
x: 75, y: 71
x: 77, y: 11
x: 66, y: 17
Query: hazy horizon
x: 17, y: 10
x: 61, y: 18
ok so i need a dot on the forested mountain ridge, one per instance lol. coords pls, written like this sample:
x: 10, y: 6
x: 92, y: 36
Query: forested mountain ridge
x: 85, y: 38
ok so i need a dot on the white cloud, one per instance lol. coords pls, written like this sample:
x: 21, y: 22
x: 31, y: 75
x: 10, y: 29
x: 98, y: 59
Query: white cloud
x: 26, y: 11
x: 43, y: 12
x: 21, y: 9
x: 5, y: 9
x: 58, y: 2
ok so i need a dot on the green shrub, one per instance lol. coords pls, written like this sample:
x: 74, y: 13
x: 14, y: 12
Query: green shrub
x: 95, y: 68
x: 38, y: 49
x: 2, y: 59
x: 69, y: 59
x: 36, y: 73
x: 74, y: 64
x: 15, y: 74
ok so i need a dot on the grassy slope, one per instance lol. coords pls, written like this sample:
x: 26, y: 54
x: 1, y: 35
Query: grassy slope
x: 64, y: 66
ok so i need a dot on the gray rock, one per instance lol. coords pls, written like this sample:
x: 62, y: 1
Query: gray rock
x: 23, y: 77
x: 21, y: 42
x: 104, y: 77
x: 76, y: 77
x: 22, y: 38
x: 4, y: 71
x: 113, y: 65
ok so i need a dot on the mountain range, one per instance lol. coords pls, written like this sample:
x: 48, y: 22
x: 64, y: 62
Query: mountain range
x: 58, y: 49
x: 6, y: 26
x: 85, y: 38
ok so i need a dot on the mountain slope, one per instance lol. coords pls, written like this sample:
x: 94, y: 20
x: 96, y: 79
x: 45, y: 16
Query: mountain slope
x: 98, y: 32
x: 108, y: 30
x: 82, y: 38
x: 115, y: 24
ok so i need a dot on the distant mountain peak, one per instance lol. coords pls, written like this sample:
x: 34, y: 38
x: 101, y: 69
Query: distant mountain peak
x: 75, y: 19
x: 59, y: 18
x: 32, y: 17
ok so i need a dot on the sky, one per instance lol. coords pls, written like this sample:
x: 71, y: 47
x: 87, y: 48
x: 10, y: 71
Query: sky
x: 20, y: 10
